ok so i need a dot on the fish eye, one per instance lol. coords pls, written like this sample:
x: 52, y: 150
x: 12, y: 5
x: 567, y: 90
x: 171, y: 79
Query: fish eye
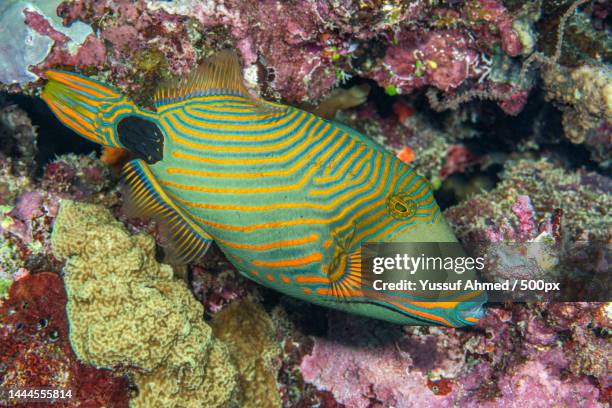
x: 401, y: 207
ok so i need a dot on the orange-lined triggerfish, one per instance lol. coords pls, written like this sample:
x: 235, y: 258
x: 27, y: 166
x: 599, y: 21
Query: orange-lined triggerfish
x: 288, y: 196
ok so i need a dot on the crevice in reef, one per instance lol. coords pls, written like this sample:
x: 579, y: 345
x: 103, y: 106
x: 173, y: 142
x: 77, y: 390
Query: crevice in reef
x: 54, y: 139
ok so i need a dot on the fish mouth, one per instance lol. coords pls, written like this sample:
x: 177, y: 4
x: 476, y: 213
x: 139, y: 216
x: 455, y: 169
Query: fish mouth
x: 83, y: 105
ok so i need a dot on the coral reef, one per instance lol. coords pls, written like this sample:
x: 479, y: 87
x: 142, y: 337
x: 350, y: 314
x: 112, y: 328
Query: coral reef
x: 561, y: 216
x: 523, y: 205
x: 34, y: 23
x: 127, y: 310
x: 17, y: 135
x: 79, y: 177
x: 401, y: 45
x: 505, y: 106
x: 216, y: 283
x: 25, y: 230
x: 35, y: 350
x: 464, y: 50
x: 516, y: 357
x: 586, y: 96
x: 249, y: 334
x: 362, y: 367
x: 28, y: 207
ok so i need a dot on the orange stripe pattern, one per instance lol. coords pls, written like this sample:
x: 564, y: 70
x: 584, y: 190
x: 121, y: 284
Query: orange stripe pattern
x: 288, y: 196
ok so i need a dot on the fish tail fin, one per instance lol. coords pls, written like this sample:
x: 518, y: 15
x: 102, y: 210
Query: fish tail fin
x: 88, y: 107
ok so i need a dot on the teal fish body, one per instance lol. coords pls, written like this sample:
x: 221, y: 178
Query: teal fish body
x: 288, y: 196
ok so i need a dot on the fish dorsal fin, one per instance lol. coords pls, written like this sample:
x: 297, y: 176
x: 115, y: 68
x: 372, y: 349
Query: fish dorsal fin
x: 220, y: 75
x: 187, y: 241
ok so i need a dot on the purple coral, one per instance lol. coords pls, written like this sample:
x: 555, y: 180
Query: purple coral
x: 35, y: 350
x: 526, y: 214
x: 301, y: 52
x: 362, y: 363
x: 443, y: 59
x: 360, y: 367
x: 556, y: 354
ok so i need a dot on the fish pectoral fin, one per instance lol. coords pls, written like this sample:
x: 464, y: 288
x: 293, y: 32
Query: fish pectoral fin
x: 345, y: 275
x: 115, y: 157
x: 187, y: 241
x: 219, y: 75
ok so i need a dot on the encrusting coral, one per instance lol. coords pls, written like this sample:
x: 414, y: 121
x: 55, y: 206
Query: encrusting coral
x: 35, y: 351
x: 126, y: 310
x: 584, y: 198
x: 248, y: 332
x: 587, y: 90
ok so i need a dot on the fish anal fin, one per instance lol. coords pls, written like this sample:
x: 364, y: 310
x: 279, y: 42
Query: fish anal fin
x: 219, y: 75
x: 145, y: 197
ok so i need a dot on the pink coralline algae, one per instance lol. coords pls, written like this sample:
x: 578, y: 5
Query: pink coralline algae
x: 458, y: 159
x: 25, y: 231
x: 296, y: 53
x: 525, y: 213
x: 78, y: 176
x: 138, y: 45
x: 43, y: 27
x: 545, y: 363
x: 26, y: 217
x: 532, y: 192
x: 542, y: 381
x: 91, y: 54
x: 514, y: 361
x: 443, y: 59
x: 379, y: 364
x: 521, y: 228
x: 514, y: 101
x: 459, y: 49
x: 490, y: 20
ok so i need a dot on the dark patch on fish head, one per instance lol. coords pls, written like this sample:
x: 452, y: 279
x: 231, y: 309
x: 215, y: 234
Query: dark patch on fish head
x: 142, y: 137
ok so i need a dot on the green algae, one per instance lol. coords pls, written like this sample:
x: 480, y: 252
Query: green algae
x: 5, y: 286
